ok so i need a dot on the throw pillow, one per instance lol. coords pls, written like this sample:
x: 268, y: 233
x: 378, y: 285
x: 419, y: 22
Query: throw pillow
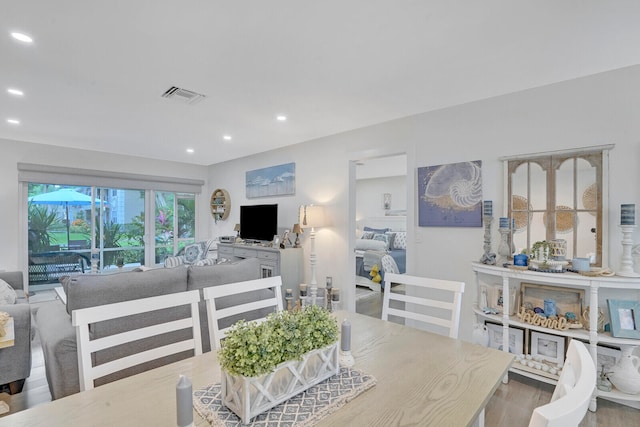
x: 383, y: 238
x: 377, y: 230
x: 7, y: 293
x: 203, y: 262
x: 392, y: 238
x: 196, y: 251
x: 367, y: 235
x: 173, y: 261
x: 400, y: 240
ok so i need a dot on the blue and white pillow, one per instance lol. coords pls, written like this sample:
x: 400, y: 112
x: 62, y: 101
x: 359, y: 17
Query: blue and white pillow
x: 383, y: 238
x: 196, y: 251
x: 400, y: 240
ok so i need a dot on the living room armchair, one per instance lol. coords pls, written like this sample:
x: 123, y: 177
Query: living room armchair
x: 15, y: 361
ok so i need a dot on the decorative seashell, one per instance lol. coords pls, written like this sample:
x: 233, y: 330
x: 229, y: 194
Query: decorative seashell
x: 456, y: 186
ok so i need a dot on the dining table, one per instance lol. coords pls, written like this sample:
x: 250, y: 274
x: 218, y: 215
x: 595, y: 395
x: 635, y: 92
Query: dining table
x: 422, y: 379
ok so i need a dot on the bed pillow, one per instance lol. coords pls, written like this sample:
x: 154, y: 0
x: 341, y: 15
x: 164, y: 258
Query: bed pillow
x: 383, y: 238
x: 377, y: 230
x: 400, y: 240
x: 392, y: 238
x: 367, y: 235
x: 370, y: 245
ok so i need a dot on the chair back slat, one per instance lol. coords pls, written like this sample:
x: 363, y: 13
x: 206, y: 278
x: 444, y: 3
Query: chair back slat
x: 415, y: 302
x: 215, y: 314
x: 83, y: 318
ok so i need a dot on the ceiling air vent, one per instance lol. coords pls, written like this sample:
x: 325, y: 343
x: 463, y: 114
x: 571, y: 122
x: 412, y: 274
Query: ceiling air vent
x: 183, y: 95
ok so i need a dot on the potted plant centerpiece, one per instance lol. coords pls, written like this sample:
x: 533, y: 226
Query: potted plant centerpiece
x: 542, y: 257
x: 264, y: 364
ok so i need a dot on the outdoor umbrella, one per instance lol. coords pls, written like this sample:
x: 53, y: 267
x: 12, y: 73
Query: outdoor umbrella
x: 63, y: 197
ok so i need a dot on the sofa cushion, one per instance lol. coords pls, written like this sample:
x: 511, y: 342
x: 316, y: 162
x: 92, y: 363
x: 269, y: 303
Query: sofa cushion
x: 89, y: 290
x: 7, y: 293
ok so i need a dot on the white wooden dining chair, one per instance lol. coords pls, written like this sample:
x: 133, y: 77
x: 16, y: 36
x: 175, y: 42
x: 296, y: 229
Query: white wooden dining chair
x: 244, y: 307
x: 420, y: 303
x: 84, y: 319
x: 571, y: 397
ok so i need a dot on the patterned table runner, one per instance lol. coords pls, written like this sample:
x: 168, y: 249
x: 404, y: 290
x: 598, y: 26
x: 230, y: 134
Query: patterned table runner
x: 304, y: 409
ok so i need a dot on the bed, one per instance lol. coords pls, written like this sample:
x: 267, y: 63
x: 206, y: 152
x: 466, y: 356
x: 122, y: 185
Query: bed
x: 380, y: 241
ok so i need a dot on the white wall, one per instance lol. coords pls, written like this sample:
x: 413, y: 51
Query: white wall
x: 600, y: 109
x: 14, y: 152
x: 369, y: 195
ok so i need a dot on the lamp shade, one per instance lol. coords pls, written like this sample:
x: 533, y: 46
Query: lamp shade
x: 312, y: 216
x: 237, y: 227
x: 296, y: 229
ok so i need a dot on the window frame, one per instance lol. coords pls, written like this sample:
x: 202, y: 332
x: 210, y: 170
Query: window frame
x: 549, y: 162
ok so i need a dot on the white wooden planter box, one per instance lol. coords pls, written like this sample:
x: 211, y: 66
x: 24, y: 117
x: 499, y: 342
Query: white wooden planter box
x: 251, y: 396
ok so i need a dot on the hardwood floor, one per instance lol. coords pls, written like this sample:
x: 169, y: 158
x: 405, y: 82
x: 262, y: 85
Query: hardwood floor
x: 513, y: 403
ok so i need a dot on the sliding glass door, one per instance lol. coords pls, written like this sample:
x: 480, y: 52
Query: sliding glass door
x: 69, y: 224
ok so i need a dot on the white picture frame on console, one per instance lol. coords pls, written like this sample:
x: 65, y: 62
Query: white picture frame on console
x: 548, y: 347
x: 516, y: 338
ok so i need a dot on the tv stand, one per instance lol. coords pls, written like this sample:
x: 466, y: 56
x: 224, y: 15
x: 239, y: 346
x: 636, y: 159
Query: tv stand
x: 287, y: 263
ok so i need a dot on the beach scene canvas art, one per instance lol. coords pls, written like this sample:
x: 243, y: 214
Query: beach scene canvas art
x: 271, y: 181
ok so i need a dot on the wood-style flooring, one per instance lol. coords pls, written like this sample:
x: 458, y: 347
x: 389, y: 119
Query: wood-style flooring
x: 514, y: 402
x: 511, y: 405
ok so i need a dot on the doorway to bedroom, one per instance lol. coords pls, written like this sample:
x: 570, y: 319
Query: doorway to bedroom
x: 380, y: 227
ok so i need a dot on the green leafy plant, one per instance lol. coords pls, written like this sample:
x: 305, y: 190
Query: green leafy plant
x: 252, y: 349
x: 41, y: 221
x: 541, y: 251
x: 112, y: 233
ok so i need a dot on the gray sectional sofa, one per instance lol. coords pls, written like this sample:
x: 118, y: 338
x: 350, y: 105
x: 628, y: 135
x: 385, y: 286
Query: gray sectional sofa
x: 15, y: 361
x: 59, y: 337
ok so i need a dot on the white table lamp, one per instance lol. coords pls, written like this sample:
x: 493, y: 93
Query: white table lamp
x: 312, y: 216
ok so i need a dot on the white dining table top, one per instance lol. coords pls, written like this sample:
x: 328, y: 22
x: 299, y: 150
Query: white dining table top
x: 422, y: 379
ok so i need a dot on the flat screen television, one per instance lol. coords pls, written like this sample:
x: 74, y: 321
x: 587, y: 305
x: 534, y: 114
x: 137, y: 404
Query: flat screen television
x: 258, y: 222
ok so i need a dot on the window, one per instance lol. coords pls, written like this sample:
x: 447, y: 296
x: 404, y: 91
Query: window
x: 559, y: 196
x: 69, y: 211
x: 61, y: 228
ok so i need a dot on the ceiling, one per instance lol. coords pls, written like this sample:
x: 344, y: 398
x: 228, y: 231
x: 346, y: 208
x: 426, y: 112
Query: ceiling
x: 94, y: 76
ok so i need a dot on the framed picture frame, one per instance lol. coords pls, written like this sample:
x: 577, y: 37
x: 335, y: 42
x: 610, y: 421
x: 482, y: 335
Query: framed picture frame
x: 548, y: 347
x: 625, y: 318
x: 271, y: 181
x: 516, y: 338
x: 608, y: 357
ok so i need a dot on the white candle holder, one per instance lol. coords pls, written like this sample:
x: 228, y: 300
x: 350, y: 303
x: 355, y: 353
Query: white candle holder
x: 626, y: 268
x: 488, y: 257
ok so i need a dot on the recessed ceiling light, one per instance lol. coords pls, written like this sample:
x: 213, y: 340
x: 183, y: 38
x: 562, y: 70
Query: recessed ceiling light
x: 16, y: 92
x: 22, y: 37
x: 227, y: 137
x: 190, y: 150
x: 281, y: 118
x: 13, y: 121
